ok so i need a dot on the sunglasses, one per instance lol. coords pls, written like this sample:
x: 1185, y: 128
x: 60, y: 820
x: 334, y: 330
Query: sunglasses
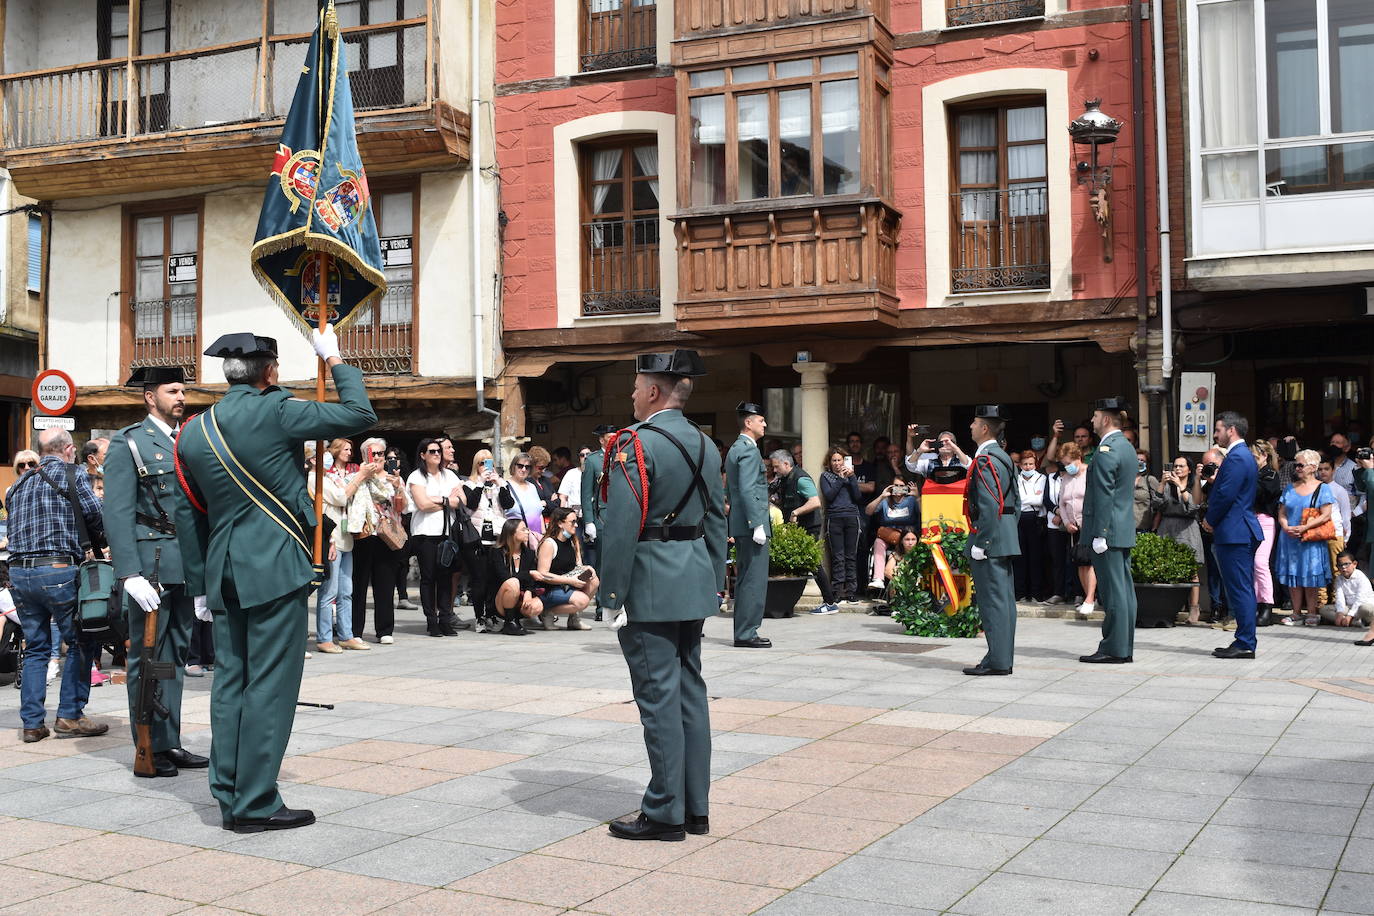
x: 583, y: 454
x: 433, y: 451
x: 27, y: 464
x: 525, y: 467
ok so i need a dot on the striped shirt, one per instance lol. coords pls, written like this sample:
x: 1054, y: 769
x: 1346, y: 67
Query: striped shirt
x: 41, y: 521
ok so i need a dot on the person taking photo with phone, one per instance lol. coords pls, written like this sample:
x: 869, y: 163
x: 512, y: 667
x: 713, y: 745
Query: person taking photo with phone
x: 895, y: 510
x: 840, y: 491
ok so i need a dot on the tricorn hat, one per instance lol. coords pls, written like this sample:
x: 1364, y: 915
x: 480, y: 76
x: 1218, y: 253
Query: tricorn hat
x: 1116, y: 404
x: 990, y: 412
x: 145, y: 376
x: 604, y: 429
x: 686, y: 363
x: 242, y: 345
x: 748, y: 409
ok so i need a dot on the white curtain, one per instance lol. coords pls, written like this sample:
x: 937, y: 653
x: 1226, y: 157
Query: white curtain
x: 647, y: 157
x: 708, y: 120
x: 751, y: 111
x: 605, y: 166
x: 840, y: 106
x: 1226, y: 76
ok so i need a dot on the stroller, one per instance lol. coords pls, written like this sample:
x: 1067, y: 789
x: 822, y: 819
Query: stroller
x: 11, y: 634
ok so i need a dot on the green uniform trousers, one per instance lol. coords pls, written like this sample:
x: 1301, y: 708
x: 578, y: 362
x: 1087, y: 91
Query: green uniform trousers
x: 173, y: 645
x: 751, y: 584
x: 259, y: 657
x: 665, y: 672
x: 1116, y: 591
x: 993, y: 589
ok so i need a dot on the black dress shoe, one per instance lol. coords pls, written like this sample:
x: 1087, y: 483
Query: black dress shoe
x: 983, y: 671
x: 512, y: 628
x: 1102, y: 658
x: 758, y: 642
x: 186, y: 760
x: 642, y: 828
x: 698, y: 824
x: 1265, y: 616
x: 1233, y: 651
x: 162, y: 766
x: 284, y: 819
x: 1364, y: 642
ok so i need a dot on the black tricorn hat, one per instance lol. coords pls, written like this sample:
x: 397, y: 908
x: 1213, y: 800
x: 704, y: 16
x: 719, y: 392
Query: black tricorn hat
x: 686, y: 363
x: 241, y: 345
x: 1111, y: 404
x: 990, y: 412
x: 605, y: 429
x: 748, y: 409
x: 145, y: 376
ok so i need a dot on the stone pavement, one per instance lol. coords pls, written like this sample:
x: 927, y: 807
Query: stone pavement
x: 474, y: 775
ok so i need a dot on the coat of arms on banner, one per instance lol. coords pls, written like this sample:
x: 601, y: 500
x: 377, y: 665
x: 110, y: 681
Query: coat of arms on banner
x: 345, y: 202
x: 299, y: 174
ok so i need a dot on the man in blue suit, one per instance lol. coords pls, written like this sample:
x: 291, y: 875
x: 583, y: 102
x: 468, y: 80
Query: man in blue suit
x: 1235, y: 530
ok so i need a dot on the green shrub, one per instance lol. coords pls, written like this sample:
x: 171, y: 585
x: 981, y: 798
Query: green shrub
x: 913, y: 606
x: 1158, y: 560
x: 793, y: 552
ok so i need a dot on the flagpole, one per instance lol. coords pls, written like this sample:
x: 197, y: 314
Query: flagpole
x: 322, y: 286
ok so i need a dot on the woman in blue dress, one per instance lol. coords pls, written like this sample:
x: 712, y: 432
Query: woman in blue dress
x: 1304, y: 566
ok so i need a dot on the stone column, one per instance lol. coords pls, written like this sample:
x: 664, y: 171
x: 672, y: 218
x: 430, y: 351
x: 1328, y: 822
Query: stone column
x: 815, y: 413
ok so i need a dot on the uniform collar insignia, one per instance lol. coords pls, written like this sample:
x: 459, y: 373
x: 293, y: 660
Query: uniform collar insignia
x: 1104, y: 448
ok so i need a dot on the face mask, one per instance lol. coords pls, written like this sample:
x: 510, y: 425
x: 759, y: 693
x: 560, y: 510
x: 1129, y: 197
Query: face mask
x: 1141, y: 465
x: 1037, y: 443
x: 1071, y: 469
x: 1028, y: 474
x: 563, y: 535
x: 328, y: 460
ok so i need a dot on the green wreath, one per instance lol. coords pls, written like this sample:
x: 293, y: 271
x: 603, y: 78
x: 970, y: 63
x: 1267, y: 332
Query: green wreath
x: 913, y: 605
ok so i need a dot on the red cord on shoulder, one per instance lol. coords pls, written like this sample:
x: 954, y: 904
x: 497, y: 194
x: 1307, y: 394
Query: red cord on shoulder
x: 181, y: 476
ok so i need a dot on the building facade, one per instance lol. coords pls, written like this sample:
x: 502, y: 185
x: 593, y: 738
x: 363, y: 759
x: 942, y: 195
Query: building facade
x: 146, y: 130
x: 865, y: 212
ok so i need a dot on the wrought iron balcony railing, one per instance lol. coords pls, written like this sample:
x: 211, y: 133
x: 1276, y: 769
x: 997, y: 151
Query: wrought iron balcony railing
x: 620, y: 273
x: 1001, y: 240
x: 381, y: 340
x: 166, y: 332
x: 618, y: 33
x: 969, y: 12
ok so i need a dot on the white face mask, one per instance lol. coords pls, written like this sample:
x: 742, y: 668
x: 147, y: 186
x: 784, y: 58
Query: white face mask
x: 328, y: 460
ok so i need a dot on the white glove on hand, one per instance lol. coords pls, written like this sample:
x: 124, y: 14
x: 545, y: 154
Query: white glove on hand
x: 760, y: 536
x: 977, y: 552
x: 618, y: 621
x: 326, y: 344
x: 202, y: 609
x: 1099, y: 545
x: 143, y: 593
x: 590, y: 530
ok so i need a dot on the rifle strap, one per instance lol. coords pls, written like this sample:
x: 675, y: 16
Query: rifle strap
x: 162, y: 523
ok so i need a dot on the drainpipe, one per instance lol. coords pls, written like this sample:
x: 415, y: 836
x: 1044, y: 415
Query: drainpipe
x: 1166, y: 289
x: 1142, y: 268
x: 475, y: 231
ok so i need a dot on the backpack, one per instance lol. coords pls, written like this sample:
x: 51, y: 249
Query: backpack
x: 99, y: 595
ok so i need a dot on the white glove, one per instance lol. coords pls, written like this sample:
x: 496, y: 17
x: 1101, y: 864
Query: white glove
x: 760, y: 536
x: 1099, y: 545
x: 143, y: 593
x: 326, y: 344
x: 202, y: 609
x: 618, y: 621
x: 590, y: 530
x: 977, y: 552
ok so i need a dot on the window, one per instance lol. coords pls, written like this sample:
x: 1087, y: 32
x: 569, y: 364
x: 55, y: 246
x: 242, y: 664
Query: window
x: 1001, y: 206
x: 620, y: 221
x: 380, y: 340
x: 784, y: 129
x: 35, y: 281
x: 165, y: 304
x: 112, y: 38
x: 376, y: 60
x: 976, y: 12
x: 618, y: 33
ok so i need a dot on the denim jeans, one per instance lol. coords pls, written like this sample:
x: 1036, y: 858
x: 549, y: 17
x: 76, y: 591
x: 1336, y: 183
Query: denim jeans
x: 43, y: 596
x: 334, y: 601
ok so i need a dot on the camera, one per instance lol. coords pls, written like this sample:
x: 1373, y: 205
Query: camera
x: 1208, y: 470
x: 903, y: 490
x: 1364, y: 454
x: 392, y: 465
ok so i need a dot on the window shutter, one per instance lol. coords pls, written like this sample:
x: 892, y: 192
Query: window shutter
x: 35, y: 284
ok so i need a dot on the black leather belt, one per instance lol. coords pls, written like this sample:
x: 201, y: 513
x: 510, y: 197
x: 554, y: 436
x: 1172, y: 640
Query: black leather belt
x: 31, y: 562
x: 673, y: 532
x: 160, y: 525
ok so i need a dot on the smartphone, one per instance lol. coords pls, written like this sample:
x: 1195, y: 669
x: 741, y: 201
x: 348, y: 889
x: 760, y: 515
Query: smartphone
x: 488, y: 464
x: 849, y: 461
x: 923, y: 432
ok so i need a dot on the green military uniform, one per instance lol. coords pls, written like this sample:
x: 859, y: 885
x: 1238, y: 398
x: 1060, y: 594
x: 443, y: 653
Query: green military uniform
x: 139, y: 518
x: 254, y: 573
x: 748, y: 490
x: 666, y: 579
x: 1108, y: 513
x: 994, y: 505
x: 591, y: 496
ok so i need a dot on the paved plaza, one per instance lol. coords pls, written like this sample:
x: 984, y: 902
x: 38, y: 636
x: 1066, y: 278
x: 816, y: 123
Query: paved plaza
x: 856, y: 772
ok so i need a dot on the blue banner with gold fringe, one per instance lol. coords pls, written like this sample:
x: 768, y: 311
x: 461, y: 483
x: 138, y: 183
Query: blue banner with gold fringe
x: 317, y: 199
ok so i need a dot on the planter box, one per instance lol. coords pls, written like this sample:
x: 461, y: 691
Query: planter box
x: 783, y: 594
x: 1158, y: 605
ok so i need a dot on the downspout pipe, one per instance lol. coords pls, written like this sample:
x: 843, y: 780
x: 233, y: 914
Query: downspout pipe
x: 1142, y: 267
x: 1166, y: 290
x: 475, y: 235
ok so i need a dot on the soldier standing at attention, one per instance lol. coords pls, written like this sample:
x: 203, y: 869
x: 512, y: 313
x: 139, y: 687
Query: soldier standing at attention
x: 249, y: 552
x: 662, y: 561
x: 591, y: 499
x: 749, y: 525
x: 994, y: 505
x: 141, y: 499
x: 1109, y: 519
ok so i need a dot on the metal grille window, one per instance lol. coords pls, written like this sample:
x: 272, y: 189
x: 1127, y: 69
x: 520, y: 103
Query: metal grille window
x: 376, y: 60
x: 976, y: 12
x: 165, y: 305
x: 1000, y: 211
x: 380, y: 340
x: 620, y: 273
x: 618, y: 33
x: 153, y: 107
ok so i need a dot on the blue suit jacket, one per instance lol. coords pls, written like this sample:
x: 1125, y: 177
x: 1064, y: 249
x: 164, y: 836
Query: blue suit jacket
x: 1231, y: 502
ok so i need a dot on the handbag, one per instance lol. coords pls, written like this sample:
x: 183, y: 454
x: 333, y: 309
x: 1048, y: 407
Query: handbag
x: 1323, y: 532
x: 889, y: 535
x: 390, y: 529
x: 99, y: 595
x: 1082, y: 554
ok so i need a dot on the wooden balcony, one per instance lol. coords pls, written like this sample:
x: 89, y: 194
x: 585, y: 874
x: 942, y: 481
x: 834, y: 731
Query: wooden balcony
x: 212, y: 115
x: 829, y: 265
x: 701, y: 18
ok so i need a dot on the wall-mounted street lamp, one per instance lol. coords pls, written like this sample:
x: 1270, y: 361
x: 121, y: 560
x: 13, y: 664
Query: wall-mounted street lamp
x: 1094, y: 128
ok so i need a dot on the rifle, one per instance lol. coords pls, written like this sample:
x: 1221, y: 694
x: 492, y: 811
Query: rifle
x: 150, y: 673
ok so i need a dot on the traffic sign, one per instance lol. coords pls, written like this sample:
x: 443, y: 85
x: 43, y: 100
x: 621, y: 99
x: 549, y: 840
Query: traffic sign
x: 54, y: 392
x: 67, y: 423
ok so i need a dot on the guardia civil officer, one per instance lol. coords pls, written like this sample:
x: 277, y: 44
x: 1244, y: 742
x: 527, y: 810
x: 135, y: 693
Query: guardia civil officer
x: 1109, y: 519
x: 591, y: 498
x: 994, y: 505
x: 141, y: 500
x: 663, y: 570
x: 249, y: 552
x: 750, y: 525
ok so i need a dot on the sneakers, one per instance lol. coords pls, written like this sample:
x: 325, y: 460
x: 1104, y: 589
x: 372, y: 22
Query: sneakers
x: 1292, y: 620
x: 356, y: 644
x: 577, y: 623
x: 1086, y: 608
x: 824, y: 610
x: 79, y: 728
x: 53, y: 666
x: 405, y: 604
x: 328, y: 648
x: 98, y: 677
x: 1053, y: 600
x: 195, y: 671
x: 385, y: 641
x: 876, y: 584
